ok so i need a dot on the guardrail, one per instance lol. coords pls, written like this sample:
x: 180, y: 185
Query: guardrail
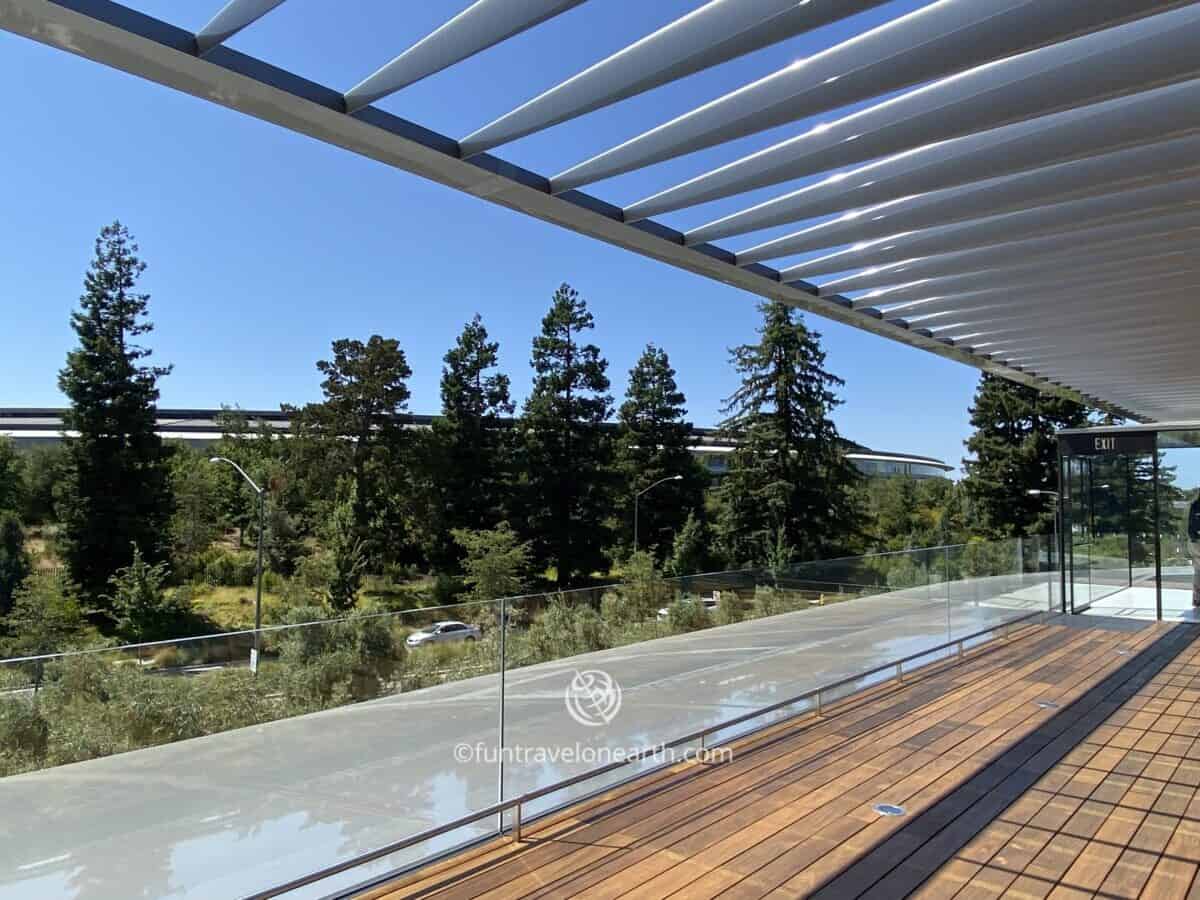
x: 515, y: 804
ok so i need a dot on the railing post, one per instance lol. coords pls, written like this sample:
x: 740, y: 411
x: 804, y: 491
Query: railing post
x: 500, y: 731
x: 820, y: 704
x: 516, y: 832
x: 900, y: 672
x: 949, y: 592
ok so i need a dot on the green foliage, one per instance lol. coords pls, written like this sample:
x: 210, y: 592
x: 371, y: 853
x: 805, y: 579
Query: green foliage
x: 358, y: 431
x: 347, y: 554
x: 981, y: 558
x: 24, y: 735
x: 768, y: 601
x: 470, y: 454
x: 309, y: 586
x: 692, y: 551
x: 90, y: 706
x: 45, y: 617
x: 566, y: 455
x: 115, y: 489
x: 687, y: 614
x: 1014, y: 450
x: 495, y: 562
x: 906, y: 513
x: 12, y: 477
x: 653, y: 443
x: 903, y: 571
x: 43, y: 470
x: 144, y: 610
x: 15, y: 564
x: 644, y: 591
x: 729, y: 608
x: 789, y: 473
x: 225, y: 568
x: 566, y: 629
x: 778, y: 554
x: 196, y: 522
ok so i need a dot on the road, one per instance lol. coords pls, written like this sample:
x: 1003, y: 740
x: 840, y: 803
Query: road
x: 224, y: 815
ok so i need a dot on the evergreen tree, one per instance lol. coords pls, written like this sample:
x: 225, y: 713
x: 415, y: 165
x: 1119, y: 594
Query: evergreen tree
x: 15, y: 564
x: 196, y: 522
x: 908, y: 513
x: 360, y: 425
x: 115, y: 488
x: 143, y: 610
x: 691, y: 553
x: 495, y: 564
x: 1015, y: 450
x: 566, y: 453
x: 654, y: 442
x: 12, y: 477
x: 45, y: 618
x: 470, y: 442
x: 789, y: 488
x: 347, y: 554
x: 44, y: 466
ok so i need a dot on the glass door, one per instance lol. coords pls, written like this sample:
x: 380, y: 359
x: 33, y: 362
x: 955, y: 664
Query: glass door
x: 1109, y: 512
x: 1077, y: 540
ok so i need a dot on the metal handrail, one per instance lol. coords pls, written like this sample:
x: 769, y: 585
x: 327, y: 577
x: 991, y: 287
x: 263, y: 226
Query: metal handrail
x: 516, y: 803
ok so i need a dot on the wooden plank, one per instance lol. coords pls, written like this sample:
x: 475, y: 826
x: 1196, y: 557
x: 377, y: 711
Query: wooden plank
x: 1120, y: 690
x: 793, y: 808
x: 978, y: 663
x: 1129, y: 837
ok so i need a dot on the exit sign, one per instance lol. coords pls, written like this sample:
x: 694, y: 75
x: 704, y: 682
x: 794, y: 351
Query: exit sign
x: 1126, y: 442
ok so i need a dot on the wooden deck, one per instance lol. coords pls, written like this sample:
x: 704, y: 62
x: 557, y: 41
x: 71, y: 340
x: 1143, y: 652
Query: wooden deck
x: 1059, y: 764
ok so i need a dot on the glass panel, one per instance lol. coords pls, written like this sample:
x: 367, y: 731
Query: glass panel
x: 1077, y: 516
x: 1109, y: 522
x: 392, y: 726
x: 1109, y: 516
x: 367, y: 712
x: 1179, y: 514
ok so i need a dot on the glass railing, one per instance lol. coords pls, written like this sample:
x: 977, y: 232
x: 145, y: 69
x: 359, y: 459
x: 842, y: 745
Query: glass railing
x: 360, y: 732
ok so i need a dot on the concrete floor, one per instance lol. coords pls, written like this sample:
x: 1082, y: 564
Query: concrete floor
x: 229, y: 814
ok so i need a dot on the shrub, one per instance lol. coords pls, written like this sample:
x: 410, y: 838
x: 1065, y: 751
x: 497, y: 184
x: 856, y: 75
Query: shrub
x: 903, y: 572
x: 144, y: 610
x: 981, y: 558
x: 24, y: 733
x: 223, y: 568
x: 644, y: 589
x: 169, y: 658
x: 729, y: 608
x: 146, y: 711
x: 566, y: 629
x: 767, y: 601
x: 687, y: 614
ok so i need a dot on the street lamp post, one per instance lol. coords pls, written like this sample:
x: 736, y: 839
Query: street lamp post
x: 638, y: 496
x: 1058, y: 548
x: 261, y: 492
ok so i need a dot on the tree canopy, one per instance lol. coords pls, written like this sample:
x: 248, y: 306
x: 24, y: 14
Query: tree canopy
x: 1014, y: 450
x: 788, y: 491
x: 115, y: 490
x: 566, y: 454
x: 654, y: 441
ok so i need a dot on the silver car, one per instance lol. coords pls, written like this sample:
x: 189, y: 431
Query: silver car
x: 443, y: 632
x: 710, y: 604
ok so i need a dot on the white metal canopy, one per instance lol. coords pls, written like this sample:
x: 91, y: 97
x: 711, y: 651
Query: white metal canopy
x: 1013, y: 184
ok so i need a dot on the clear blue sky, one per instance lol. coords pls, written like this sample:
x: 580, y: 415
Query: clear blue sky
x: 263, y: 246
